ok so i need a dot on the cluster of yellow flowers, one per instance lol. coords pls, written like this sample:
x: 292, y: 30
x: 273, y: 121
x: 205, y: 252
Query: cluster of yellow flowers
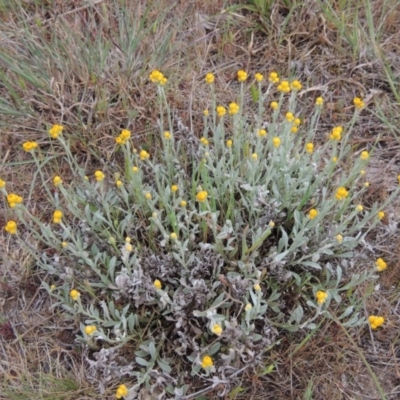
x: 13, y: 199
x: 313, y: 213
x: 364, y: 155
x: 122, y: 391
x: 75, y: 295
x: 90, y: 329
x: 233, y: 108
x: 29, y: 146
x: 204, y: 141
x: 221, y: 111
x: 144, y: 155
x: 336, y: 133
x: 341, y: 193
x: 358, y: 103
x: 380, y: 264
x: 11, y: 227
x: 284, y: 87
x: 309, y: 148
x: 57, y: 216
x: 375, y: 321
x: 202, y: 196
x: 209, y: 78
x: 55, y: 131
x: 207, y: 362
x: 241, y: 75
x: 57, y: 181
x: 123, y: 137
x: 216, y: 329
x: 99, y: 175
x: 274, y: 77
x: 321, y: 296
x: 157, y: 77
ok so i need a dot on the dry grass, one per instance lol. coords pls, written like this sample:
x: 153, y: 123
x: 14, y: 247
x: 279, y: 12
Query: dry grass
x: 85, y: 66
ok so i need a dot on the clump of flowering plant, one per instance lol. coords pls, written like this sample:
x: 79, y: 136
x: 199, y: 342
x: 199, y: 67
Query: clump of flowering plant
x: 188, y: 252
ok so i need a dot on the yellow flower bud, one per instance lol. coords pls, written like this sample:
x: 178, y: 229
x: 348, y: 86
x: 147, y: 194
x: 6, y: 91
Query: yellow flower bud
x: 157, y: 284
x: 202, y: 196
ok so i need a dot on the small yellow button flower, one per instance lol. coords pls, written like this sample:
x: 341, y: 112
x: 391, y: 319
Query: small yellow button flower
x: 294, y: 129
x: 358, y: 103
x: 206, y: 113
x: 257, y: 287
x: 339, y: 238
x: 183, y: 203
x: 334, y: 159
x: 122, y: 391
x: 276, y: 142
x: 289, y: 117
x: 216, y: 329
x: 148, y: 196
x: 11, y: 227
x: 259, y: 77
x: 362, y: 172
x: 297, y: 121
x: 375, y: 321
x: 254, y: 156
x: 336, y: 133
x: 207, y: 362
x: 167, y: 135
x: 57, y: 216
x: 13, y: 199
x: 2, y: 184
x: 29, y: 146
x: 248, y: 307
x: 296, y: 85
x: 274, y: 77
x: 233, y: 108
x: 221, y: 111
x: 90, y: 329
x: 319, y: 101
x: 313, y: 213
x: 158, y: 78
x: 144, y: 155
x: 341, y: 193
x: 321, y: 296
x: 53, y: 287
x: 209, y: 78
x: 262, y: 133
x: 157, y: 284
x: 173, y: 236
x: 118, y: 183
x: 125, y: 135
x: 55, y: 131
x: 380, y: 264
x: 241, y: 75
x: 229, y: 143
x: 364, y: 156
x: 284, y: 87
x: 135, y: 169
x: 309, y: 148
x: 201, y: 196
x: 381, y: 214
x: 99, y: 175
x: 271, y: 224
x: 204, y: 141
x: 366, y: 184
x: 274, y: 105
x: 359, y: 207
x: 174, y: 188
x: 64, y: 245
x: 119, y: 140
x: 57, y: 181
x: 74, y: 294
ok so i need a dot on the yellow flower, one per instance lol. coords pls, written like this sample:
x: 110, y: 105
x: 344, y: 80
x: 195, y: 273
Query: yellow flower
x: 336, y: 133
x: 158, y: 78
x: 289, y: 117
x: 339, y: 238
x: 229, y: 143
x: 167, y: 135
x: 125, y: 134
x: 248, y: 307
x: 174, y: 188
x: 55, y: 131
x: 359, y: 207
x: 271, y: 224
x: 99, y: 176
x: 366, y: 184
x: 135, y: 169
x: 57, y: 181
x: 241, y: 75
x: 11, y: 227
x: 321, y: 296
x: 13, y: 199
x: 119, y: 140
x: 296, y: 85
x: 380, y: 264
x: 202, y: 196
x: 381, y: 214
x: 29, y: 146
x: 319, y: 101
x: 254, y: 156
x: 274, y: 105
x: 362, y: 172
x: 221, y: 111
x: 313, y: 213
x: 119, y: 183
x: 216, y: 329
x: 206, y: 113
x: 276, y: 142
x: 207, y: 362
x: 157, y: 284
x: 57, y: 216
x: 257, y: 287
x: 284, y: 87
x: 148, y: 196
x: 334, y: 159
x: 259, y: 77
x: 341, y: 193
x: 183, y: 203
x: 2, y: 184
x: 204, y: 141
x: 144, y: 155
x: 358, y: 103
x: 53, y: 287
x: 173, y: 236
x: 375, y: 321
x: 364, y: 155
x: 64, y: 244
x: 274, y: 77
x: 90, y: 329
x: 74, y: 294
x: 262, y: 133
x: 233, y: 108
x: 309, y: 148
x: 294, y: 129
x: 128, y: 247
x: 122, y: 391
x: 209, y: 78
